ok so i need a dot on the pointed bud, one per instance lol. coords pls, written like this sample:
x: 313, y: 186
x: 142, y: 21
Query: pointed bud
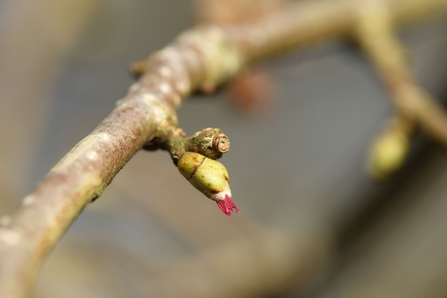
x: 388, y: 153
x: 210, y: 177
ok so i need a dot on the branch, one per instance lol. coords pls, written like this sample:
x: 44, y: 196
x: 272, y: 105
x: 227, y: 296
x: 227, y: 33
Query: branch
x: 415, y: 107
x: 200, y: 59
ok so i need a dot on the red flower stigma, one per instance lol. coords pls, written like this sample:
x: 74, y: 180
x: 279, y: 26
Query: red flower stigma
x: 227, y: 206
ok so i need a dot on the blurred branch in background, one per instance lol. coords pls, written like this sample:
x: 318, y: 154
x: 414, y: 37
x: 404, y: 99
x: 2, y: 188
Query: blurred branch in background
x: 256, y: 261
x: 253, y: 90
x: 414, y: 106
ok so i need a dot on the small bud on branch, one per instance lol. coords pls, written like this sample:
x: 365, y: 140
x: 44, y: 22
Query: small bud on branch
x: 195, y: 158
x: 210, y: 177
x: 388, y: 153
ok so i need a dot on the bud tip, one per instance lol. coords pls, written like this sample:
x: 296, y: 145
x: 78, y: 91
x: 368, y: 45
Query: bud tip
x: 227, y: 205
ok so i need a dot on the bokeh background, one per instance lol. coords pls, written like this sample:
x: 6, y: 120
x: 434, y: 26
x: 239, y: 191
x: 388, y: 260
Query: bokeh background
x: 312, y: 222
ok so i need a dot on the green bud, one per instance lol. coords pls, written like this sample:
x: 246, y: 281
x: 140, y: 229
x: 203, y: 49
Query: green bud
x: 210, y: 177
x: 388, y: 153
x: 207, y: 175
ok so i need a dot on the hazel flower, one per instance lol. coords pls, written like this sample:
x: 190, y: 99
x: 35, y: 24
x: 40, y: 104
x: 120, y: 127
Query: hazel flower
x: 227, y: 205
x: 210, y: 177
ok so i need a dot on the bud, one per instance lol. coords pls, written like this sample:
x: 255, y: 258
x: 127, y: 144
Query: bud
x: 210, y: 177
x: 388, y: 153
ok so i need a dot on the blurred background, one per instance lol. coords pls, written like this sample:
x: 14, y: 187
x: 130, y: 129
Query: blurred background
x: 312, y: 222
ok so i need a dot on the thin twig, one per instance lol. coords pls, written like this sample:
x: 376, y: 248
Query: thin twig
x: 414, y: 106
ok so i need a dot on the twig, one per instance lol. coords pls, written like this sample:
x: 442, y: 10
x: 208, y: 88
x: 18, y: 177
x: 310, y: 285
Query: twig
x: 414, y: 106
x: 200, y: 59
